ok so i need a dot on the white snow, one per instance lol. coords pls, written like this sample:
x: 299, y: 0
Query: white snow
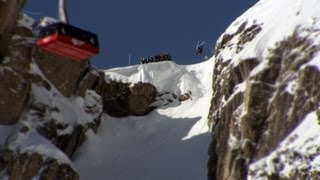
x: 6, y: 131
x: 282, y: 17
x: 291, y: 87
x: 47, y: 21
x: 70, y: 110
x: 26, y: 21
x: 166, y: 76
x: 169, y: 143
x: 315, y: 62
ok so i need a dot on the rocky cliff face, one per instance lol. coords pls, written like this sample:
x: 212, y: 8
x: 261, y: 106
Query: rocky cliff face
x: 49, y: 103
x: 266, y: 82
x: 265, y: 96
x: 9, y: 12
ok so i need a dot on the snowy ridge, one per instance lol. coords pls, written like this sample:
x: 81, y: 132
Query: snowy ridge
x: 281, y: 17
x: 169, y: 143
x: 166, y: 76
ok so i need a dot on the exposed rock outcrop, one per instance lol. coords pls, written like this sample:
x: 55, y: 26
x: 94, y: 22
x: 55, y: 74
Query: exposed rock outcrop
x: 9, y: 12
x: 14, y: 94
x: 185, y: 96
x: 14, y: 85
x: 63, y: 73
x: 65, y: 133
x: 15, y: 80
x: 124, y: 99
x: 22, y: 158
x: 41, y: 90
x: 258, y: 101
x: 29, y: 165
x: 56, y: 100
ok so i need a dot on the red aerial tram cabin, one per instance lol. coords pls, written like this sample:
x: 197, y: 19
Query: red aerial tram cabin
x: 68, y: 41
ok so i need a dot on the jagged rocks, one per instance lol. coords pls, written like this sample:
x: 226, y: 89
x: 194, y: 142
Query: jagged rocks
x: 9, y: 12
x: 258, y: 102
x: 123, y: 99
x: 296, y: 157
x: 27, y: 156
x: 15, y: 83
x: 246, y: 32
x: 49, y: 95
x: 63, y: 73
x: 62, y: 121
x: 93, y: 80
x: 27, y: 165
x: 14, y: 92
x: 71, y: 142
x: 21, y: 165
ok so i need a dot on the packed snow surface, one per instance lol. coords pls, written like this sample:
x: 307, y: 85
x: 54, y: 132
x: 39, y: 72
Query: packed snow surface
x: 169, y: 143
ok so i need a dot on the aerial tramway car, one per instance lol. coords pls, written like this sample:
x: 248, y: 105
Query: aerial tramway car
x: 66, y: 40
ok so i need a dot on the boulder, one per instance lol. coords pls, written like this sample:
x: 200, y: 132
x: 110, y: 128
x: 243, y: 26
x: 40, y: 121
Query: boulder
x: 124, y: 99
x: 63, y: 73
x: 185, y: 96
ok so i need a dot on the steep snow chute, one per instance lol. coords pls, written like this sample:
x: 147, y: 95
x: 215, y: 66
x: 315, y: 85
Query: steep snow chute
x: 63, y: 39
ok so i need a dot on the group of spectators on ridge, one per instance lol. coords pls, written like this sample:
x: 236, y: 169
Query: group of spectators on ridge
x: 166, y: 56
x: 157, y: 58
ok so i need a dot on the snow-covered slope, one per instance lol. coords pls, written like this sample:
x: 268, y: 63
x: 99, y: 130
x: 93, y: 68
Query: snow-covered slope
x: 169, y: 143
x: 277, y: 20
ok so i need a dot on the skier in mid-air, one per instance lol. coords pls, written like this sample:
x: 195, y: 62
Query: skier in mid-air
x: 199, y: 48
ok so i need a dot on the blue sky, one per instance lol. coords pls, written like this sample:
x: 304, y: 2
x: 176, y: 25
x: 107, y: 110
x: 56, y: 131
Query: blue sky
x: 147, y: 27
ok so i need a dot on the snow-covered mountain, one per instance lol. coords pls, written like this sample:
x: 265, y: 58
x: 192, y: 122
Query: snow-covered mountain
x: 254, y: 106
x: 63, y: 119
x: 266, y: 82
